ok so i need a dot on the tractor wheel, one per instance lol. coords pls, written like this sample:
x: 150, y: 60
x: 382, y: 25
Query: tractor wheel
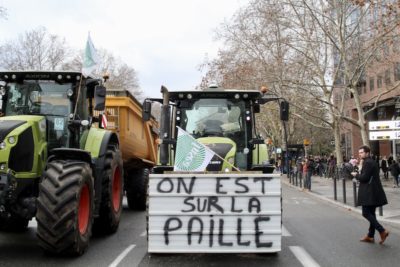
x: 112, y: 194
x: 136, y: 188
x: 65, y: 208
x: 13, y: 224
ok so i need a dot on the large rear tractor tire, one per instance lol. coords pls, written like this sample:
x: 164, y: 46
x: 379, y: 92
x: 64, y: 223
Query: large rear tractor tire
x: 137, y: 181
x: 112, y: 194
x: 65, y: 208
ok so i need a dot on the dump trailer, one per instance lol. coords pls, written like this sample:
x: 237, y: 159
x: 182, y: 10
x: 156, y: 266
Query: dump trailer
x: 54, y: 165
x: 137, y: 143
x: 235, y: 205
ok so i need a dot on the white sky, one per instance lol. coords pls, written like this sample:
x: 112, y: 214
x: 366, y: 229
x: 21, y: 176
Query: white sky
x: 165, y: 41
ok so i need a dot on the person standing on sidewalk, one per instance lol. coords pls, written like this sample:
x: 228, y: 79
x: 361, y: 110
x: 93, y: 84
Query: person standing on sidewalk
x: 395, y: 172
x: 384, y: 167
x: 370, y: 194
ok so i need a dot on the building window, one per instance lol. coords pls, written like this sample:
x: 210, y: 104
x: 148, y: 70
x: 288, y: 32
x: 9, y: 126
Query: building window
x: 379, y: 81
x: 397, y: 71
x: 371, y: 84
x: 387, y: 77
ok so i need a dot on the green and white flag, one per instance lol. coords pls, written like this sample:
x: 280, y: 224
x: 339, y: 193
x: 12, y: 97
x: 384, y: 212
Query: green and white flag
x: 190, y: 154
x: 90, y: 59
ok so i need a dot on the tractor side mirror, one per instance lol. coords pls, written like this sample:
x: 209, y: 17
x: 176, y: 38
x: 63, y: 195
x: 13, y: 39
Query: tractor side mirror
x: 284, y: 110
x: 146, y: 113
x: 99, y: 97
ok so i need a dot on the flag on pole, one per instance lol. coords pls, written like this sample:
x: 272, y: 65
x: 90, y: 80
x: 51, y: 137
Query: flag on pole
x: 90, y: 59
x: 191, y: 155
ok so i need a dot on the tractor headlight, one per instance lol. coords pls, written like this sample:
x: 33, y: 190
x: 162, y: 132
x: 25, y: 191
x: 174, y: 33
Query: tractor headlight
x: 11, y: 140
x: 3, y: 166
x: 3, y: 145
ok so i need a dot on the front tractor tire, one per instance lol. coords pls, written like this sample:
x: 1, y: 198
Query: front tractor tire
x: 65, y: 208
x: 112, y: 194
x: 137, y: 181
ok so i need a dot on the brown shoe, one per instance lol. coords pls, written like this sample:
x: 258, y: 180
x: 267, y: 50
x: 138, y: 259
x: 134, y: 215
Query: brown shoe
x: 383, y: 235
x: 367, y: 239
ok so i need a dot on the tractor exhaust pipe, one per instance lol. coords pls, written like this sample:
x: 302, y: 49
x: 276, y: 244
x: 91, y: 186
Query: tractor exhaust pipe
x: 165, y: 122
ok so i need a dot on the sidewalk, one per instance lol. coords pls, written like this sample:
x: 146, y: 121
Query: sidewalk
x: 324, y: 189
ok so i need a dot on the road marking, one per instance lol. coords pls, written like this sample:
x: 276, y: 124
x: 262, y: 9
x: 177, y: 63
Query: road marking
x: 143, y: 234
x: 304, y: 258
x: 121, y: 256
x: 285, y: 232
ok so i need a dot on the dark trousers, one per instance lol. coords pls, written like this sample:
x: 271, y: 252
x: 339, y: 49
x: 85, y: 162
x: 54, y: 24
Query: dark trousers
x: 369, y: 213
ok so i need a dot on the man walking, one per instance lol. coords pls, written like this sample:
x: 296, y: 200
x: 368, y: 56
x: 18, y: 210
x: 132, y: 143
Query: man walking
x: 370, y: 194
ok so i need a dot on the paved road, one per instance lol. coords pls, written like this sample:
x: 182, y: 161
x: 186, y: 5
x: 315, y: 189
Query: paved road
x: 21, y: 249
x: 316, y: 233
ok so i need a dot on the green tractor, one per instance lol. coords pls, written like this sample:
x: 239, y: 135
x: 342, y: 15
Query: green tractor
x: 54, y: 165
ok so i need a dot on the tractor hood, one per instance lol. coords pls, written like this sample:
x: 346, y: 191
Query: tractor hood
x: 22, y: 145
x: 224, y: 148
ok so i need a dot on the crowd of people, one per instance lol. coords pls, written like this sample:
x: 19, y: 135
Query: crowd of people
x: 324, y: 166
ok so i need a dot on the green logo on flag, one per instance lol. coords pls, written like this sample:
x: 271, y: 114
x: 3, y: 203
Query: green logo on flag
x: 191, y: 155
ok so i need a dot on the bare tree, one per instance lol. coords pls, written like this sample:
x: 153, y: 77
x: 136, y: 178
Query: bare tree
x: 34, y: 50
x: 259, y: 51
x: 121, y: 75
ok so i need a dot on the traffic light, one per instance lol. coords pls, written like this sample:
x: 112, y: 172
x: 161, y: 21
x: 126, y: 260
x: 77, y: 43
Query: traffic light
x: 284, y: 110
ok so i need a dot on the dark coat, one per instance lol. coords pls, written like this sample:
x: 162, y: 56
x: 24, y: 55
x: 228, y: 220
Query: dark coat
x: 370, y: 192
x: 394, y: 169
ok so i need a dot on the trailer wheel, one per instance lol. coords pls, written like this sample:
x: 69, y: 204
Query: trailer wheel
x: 136, y: 188
x: 65, y: 208
x: 13, y: 224
x: 112, y: 194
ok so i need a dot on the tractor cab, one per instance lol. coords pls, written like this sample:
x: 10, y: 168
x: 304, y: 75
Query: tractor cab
x: 53, y: 95
x: 223, y: 120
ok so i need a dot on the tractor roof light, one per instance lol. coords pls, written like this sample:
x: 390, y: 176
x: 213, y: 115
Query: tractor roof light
x: 189, y: 96
x: 264, y: 89
x: 237, y: 96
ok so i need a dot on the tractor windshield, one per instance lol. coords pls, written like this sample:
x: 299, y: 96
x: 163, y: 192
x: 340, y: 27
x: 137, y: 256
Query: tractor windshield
x: 38, y: 98
x: 215, y: 117
x: 46, y: 98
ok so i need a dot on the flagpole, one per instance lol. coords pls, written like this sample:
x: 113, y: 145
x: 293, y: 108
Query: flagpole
x: 225, y: 161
